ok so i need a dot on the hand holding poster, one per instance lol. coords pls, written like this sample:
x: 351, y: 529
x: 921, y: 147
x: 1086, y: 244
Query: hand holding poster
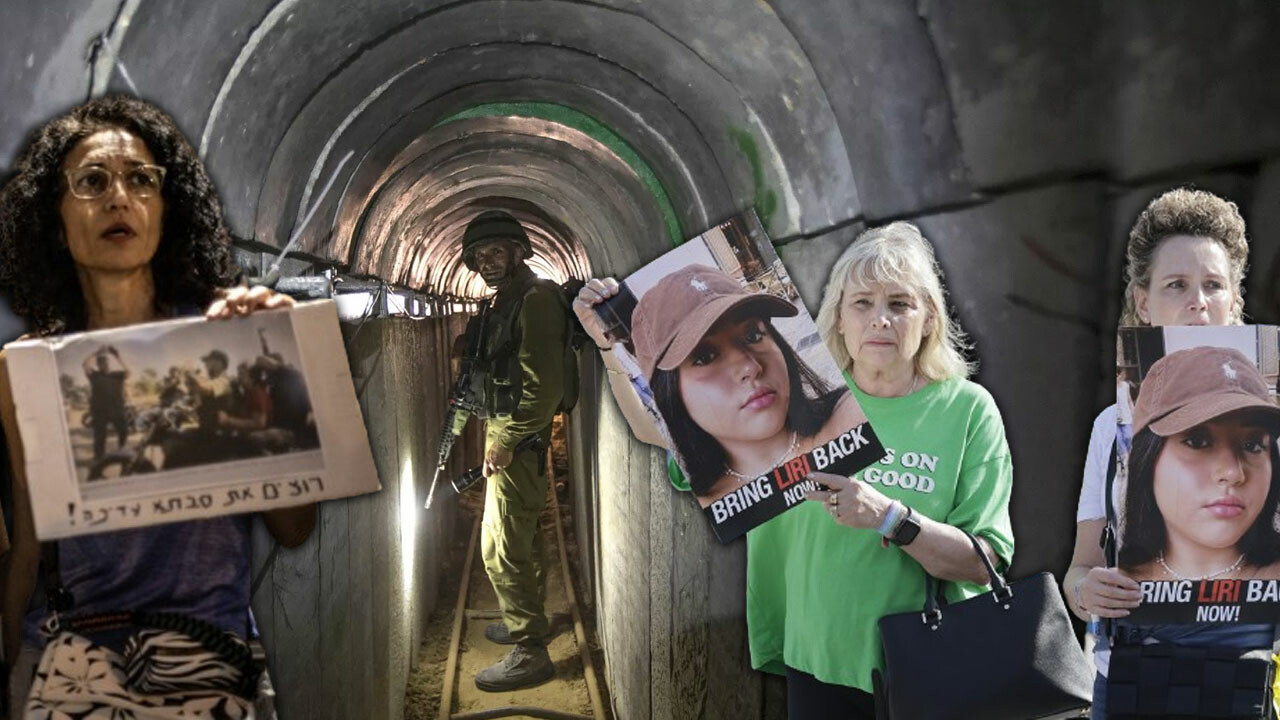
x: 731, y: 367
x: 188, y: 418
x: 1198, y: 476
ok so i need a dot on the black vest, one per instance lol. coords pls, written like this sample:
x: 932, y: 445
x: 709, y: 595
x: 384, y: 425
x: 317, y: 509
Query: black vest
x: 503, y: 332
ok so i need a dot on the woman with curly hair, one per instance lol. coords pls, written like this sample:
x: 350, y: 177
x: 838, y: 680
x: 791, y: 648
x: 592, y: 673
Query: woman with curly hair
x: 109, y: 220
x: 1186, y: 260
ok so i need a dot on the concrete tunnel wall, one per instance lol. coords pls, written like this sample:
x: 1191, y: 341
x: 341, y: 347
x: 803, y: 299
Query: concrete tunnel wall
x: 1022, y: 139
x: 342, y: 616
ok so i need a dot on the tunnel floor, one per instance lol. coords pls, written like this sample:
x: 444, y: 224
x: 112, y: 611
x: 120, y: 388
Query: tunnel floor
x: 567, y: 692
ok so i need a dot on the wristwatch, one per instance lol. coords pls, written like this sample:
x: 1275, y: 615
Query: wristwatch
x: 907, y: 529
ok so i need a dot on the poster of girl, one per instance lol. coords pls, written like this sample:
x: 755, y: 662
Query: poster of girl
x: 749, y: 398
x: 1202, y: 490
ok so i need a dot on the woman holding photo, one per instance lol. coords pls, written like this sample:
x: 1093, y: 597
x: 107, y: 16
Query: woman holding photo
x: 110, y: 220
x: 816, y: 586
x: 884, y: 318
x: 1203, y: 486
x: 1186, y: 261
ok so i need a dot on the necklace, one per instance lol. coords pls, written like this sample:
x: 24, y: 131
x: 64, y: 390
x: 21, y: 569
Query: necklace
x: 1235, y: 565
x: 794, y: 444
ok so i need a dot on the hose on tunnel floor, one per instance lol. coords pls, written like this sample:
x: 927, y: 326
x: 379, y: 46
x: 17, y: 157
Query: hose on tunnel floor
x: 521, y: 711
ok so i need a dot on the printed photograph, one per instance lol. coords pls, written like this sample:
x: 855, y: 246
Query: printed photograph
x: 722, y: 351
x: 188, y: 418
x: 197, y: 394
x: 1197, y: 471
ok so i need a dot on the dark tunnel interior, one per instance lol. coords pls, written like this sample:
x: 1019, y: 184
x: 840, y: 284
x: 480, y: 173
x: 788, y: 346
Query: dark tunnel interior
x: 1021, y: 139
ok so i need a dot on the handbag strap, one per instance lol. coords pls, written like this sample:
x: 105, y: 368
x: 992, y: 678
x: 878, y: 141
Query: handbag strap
x: 1001, y: 593
x: 60, y: 601
x: 1108, y: 540
x: 229, y: 649
x: 1110, y: 528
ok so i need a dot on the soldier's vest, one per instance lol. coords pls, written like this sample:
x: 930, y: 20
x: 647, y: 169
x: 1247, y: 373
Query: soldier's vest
x: 502, y: 386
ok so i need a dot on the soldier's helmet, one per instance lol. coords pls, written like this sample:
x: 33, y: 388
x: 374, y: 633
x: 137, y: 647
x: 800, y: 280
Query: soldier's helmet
x: 492, y: 225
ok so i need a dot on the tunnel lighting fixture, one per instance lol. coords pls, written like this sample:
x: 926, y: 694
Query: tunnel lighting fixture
x: 358, y: 299
x: 397, y: 304
x: 305, y: 287
x: 355, y: 306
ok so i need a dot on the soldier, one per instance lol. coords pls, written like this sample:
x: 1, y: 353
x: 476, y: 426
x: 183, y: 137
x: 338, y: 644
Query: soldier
x: 214, y: 392
x: 523, y: 351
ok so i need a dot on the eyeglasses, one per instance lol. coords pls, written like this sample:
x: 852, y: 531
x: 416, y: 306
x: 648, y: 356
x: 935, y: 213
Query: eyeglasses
x: 92, y: 182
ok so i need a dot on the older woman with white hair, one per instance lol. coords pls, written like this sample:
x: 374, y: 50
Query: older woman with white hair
x: 820, y: 576
x: 823, y: 575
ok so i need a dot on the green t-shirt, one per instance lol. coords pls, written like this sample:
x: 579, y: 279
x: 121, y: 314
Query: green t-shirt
x: 816, y: 590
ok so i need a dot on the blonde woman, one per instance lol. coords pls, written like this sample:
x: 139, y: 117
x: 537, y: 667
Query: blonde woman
x: 946, y: 470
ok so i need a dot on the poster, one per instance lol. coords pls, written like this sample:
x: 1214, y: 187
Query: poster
x: 188, y: 418
x: 1197, y: 471
x: 730, y: 366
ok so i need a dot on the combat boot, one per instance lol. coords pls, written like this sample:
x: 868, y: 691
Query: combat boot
x: 498, y: 633
x: 528, y: 664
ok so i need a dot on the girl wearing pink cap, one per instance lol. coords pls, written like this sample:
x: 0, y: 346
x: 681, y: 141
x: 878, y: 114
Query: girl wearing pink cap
x: 736, y: 398
x: 1202, y: 495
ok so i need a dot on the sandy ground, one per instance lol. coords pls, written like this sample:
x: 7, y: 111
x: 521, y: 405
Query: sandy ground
x: 567, y: 692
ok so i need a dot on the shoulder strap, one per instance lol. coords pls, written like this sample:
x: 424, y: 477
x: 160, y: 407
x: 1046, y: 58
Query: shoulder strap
x: 58, y: 598
x: 1109, y: 530
x: 517, y: 304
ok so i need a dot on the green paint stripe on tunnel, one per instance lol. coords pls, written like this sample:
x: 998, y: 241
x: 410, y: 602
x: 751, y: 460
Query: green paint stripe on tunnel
x: 593, y: 129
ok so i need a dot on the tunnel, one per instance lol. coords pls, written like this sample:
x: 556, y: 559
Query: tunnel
x: 1022, y: 138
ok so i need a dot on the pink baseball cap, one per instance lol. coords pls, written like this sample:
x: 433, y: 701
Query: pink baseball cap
x: 673, y: 315
x: 1189, y: 387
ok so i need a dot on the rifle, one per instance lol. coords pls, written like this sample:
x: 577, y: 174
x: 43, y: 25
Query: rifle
x: 475, y: 474
x: 463, y: 400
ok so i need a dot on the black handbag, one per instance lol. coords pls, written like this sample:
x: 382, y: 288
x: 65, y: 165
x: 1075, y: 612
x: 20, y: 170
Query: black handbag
x: 1008, y: 654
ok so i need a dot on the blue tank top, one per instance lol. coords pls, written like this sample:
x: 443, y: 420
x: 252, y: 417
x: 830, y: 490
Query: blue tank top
x: 199, y: 568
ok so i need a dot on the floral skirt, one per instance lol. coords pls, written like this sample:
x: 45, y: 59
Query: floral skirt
x: 79, y: 680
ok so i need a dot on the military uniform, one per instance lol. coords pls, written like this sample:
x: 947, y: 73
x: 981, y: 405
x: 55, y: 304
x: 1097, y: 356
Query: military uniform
x: 523, y: 392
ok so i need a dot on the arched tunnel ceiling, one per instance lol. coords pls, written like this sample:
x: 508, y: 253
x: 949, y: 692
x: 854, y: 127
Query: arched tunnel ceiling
x: 584, y: 206
x: 724, y: 124
x: 686, y: 166
x: 932, y: 103
x: 435, y: 258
